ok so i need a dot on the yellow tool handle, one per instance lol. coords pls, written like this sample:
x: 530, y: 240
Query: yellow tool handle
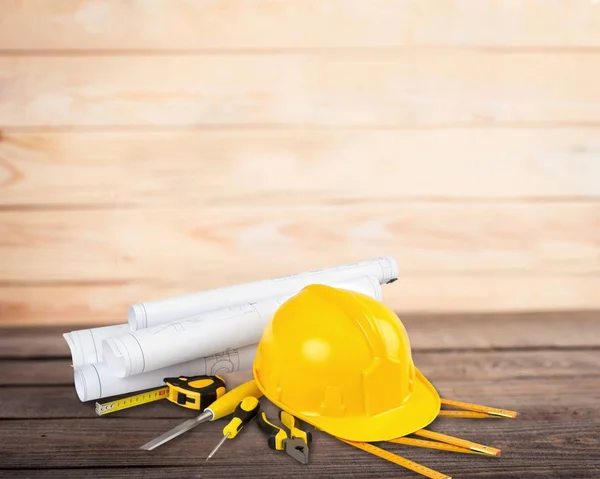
x: 276, y: 434
x: 291, y: 423
x: 409, y: 441
x: 479, y: 408
x: 473, y: 446
x: 243, y: 414
x: 227, y: 403
x: 398, y: 460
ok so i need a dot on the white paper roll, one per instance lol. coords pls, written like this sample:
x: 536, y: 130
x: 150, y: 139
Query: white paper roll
x: 149, y: 314
x: 183, y: 340
x: 95, y: 381
x: 86, y: 344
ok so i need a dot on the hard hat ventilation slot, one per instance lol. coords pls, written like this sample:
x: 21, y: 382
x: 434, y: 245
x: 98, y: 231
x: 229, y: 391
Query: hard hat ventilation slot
x: 332, y: 404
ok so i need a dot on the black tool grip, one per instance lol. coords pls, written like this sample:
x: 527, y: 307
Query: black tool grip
x: 245, y: 411
x: 276, y: 434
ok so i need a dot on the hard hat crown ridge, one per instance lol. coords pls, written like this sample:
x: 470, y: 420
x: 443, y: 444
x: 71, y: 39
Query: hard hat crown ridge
x: 342, y: 361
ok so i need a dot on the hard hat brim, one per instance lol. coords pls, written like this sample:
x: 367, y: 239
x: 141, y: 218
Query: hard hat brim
x: 417, y: 413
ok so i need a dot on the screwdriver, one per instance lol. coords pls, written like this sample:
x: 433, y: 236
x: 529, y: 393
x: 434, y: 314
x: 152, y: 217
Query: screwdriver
x: 244, y: 413
x: 222, y: 407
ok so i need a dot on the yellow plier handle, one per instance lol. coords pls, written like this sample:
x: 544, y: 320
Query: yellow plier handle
x: 291, y: 423
x: 295, y: 444
x: 276, y: 434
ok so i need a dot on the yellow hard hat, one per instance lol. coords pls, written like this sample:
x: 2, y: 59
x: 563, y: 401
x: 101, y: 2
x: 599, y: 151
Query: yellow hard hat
x: 341, y: 361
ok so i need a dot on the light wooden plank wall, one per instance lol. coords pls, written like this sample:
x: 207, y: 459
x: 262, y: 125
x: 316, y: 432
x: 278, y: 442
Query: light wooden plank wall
x: 155, y: 148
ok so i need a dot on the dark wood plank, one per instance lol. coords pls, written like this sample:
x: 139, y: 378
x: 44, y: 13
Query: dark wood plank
x: 546, y: 366
x: 532, y: 447
x: 443, y: 331
x: 31, y: 341
x: 436, y: 365
x: 519, y: 380
x: 40, y: 372
x: 504, y: 330
x: 543, y: 396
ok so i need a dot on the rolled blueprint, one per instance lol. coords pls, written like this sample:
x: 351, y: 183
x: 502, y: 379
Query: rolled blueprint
x: 86, y: 344
x: 95, y: 381
x: 147, y: 315
x: 183, y: 340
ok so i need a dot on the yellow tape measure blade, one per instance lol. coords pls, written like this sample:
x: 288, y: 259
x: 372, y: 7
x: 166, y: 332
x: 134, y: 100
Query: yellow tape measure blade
x: 440, y: 446
x: 398, y: 460
x: 466, y: 414
x: 494, y: 411
x: 456, y: 441
x: 131, y: 401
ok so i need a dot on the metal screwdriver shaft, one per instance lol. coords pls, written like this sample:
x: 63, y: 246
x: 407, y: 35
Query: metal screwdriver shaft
x: 212, y: 453
x: 246, y: 410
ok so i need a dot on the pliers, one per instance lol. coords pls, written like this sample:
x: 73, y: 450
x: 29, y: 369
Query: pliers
x: 294, y: 444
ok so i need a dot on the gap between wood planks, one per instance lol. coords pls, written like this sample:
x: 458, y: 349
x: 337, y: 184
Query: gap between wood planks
x: 34, y: 207
x: 428, y: 332
x: 304, y: 51
x: 508, y: 349
x: 289, y: 126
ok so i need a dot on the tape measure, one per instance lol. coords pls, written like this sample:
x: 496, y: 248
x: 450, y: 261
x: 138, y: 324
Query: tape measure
x: 131, y: 401
x: 466, y: 414
x: 492, y: 411
x: 409, y: 441
x: 195, y: 392
x: 398, y: 460
x: 455, y: 441
x: 440, y: 441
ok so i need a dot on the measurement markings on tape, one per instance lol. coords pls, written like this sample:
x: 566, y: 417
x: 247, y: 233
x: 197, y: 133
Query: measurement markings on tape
x: 398, y: 460
x: 131, y: 401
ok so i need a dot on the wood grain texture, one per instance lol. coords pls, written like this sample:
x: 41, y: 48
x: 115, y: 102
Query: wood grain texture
x: 428, y: 333
x: 416, y: 89
x: 558, y: 429
x: 543, y: 440
x: 242, y: 24
x: 534, y: 447
x: 47, y: 432
x: 439, y: 366
x: 266, y: 167
x: 227, y: 245
x: 100, y: 304
x: 263, y: 138
x: 61, y: 402
x: 365, y: 465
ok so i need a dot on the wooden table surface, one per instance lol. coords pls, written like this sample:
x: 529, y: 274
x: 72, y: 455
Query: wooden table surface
x: 544, y: 365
